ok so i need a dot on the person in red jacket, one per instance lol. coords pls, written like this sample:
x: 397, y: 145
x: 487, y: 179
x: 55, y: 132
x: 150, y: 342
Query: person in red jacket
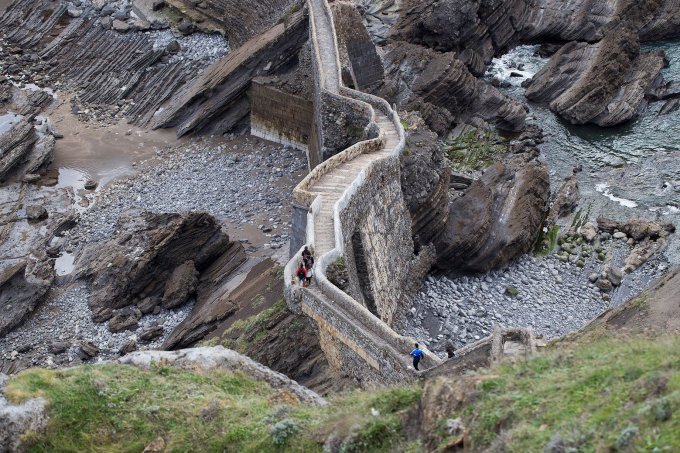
x: 301, y: 274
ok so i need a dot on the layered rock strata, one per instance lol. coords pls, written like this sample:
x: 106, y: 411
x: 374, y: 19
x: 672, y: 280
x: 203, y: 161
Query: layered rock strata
x: 219, y: 94
x: 442, y: 89
x: 154, y: 261
x: 239, y: 21
x: 605, y: 83
x: 501, y: 213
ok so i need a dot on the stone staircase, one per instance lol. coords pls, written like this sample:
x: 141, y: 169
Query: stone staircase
x: 360, y: 337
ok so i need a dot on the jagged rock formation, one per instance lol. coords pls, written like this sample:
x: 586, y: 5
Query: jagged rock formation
x: 499, y: 216
x: 147, y: 264
x: 488, y: 28
x: 218, y: 95
x: 24, y: 150
x: 603, y: 83
x: 116, y: 74
x: 606, y: 79
x: 220, y: 358
x: 442, y: 89
x: 23, y: 282
x: 214, y: 298
x: 425, y: 182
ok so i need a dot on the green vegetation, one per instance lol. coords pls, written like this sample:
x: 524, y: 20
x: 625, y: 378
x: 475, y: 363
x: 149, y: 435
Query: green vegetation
x: 114, y: 408
x: 252, y: 329
x: 597, y: 394
x: 602, y: 394
x: 474, y: 150
x: 511, y: 291
x: 546, y: 241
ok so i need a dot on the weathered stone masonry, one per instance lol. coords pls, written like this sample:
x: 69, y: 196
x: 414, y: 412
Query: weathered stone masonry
x: 356, y: 211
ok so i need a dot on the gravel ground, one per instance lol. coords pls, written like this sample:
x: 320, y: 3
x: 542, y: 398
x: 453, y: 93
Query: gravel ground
x: 248, y: 188
x: 553, y: 297
x: 196, y: 46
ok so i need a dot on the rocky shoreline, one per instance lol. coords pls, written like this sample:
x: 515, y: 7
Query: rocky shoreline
x: 255, y: 174
x: 547, y: 294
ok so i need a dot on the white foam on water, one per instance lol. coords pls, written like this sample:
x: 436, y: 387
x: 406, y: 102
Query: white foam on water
x: 603, y: 188
x: 502, y: 67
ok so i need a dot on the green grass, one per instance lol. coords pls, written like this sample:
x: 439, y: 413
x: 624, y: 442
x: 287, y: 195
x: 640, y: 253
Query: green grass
x: 114, y: 408
x: 599, y: 394
x: 594, y: 397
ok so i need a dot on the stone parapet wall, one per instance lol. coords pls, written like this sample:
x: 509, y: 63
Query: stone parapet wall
x: 280, y: 117
x: 356, y: 341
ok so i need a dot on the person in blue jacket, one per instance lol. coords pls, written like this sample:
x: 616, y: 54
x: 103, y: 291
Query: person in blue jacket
x: 417, y: 354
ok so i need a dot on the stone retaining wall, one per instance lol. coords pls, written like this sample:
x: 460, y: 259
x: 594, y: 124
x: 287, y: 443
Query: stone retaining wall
x: 280, y: 117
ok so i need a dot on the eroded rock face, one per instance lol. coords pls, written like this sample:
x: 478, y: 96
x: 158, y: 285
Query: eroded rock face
x: 443, y: 90
x: 499, y: 216
x: 154, y: 256
x: 217, y: 98
x: 424, y: 181
x: 603, y: 83
x: 239, y: 21
x: 22, y: 285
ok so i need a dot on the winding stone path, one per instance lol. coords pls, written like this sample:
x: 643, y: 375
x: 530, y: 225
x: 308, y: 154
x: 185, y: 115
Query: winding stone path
x: 361, y: 338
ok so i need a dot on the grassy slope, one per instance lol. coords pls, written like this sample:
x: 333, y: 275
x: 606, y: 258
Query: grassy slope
x: 607, y: 395
x: 115, y: 408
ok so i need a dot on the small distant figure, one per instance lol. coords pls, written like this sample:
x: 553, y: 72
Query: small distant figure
x: 309, y: 273
x: 417, y: 354
x: 301, y: 274
x: 450, y: 349
x: 308, y: 257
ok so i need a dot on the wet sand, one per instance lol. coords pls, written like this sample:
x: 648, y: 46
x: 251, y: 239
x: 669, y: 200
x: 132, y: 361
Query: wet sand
x: 101, y: 153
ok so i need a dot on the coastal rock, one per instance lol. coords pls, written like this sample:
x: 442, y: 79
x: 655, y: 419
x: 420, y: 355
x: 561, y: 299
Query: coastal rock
x: 637, y: 229
x: 36, y: 212
x: 217, y: 96
x: 565, y: 200
x: 15, y: 144
x: 141, y: 259
x: 181, y: 284
x: 424, y: 181
x: 499, y: 216
x: 151, y: 333
x: 125, y: 319
x: 443, y: 90
x: 604, y: 83
x: 22, y: 285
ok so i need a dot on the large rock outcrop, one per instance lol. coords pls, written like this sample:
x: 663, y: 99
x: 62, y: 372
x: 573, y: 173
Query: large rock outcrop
x: 238, y: 20
x: 489, y: 27
x: 500, y: 215
x: 443, y: 90
x: 145, y: 264
x: 605, y: 83
x: 207, y: 359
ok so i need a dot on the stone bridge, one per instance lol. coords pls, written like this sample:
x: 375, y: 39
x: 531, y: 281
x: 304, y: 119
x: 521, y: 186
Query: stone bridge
x: 351, y: 210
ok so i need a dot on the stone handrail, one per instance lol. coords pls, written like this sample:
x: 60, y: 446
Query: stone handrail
x: 305, y: 195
